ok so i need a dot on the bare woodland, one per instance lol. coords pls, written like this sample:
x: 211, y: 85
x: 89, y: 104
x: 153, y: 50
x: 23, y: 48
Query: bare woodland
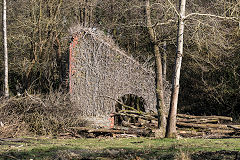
x: 151, y: 42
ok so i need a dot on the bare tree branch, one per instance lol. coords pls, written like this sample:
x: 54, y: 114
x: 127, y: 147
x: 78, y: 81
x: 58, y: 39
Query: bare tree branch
x: 212, y: 15
x: 175, y: 9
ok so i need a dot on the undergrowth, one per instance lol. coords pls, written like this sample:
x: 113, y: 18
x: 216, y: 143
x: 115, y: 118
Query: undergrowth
x: 37, y: 114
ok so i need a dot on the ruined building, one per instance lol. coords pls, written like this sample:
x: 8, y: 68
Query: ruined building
x: 102, y: 77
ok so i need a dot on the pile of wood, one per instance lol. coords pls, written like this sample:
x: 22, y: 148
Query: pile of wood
x: 187, y: 125
x: 117, y: 131
x: 206, y: 126
x: 132, y: 123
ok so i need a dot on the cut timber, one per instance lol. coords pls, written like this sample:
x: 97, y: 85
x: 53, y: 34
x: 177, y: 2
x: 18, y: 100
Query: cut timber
x: 222, y: 131
x: 120, y: 130
x: 206, y: 117
x: 197, y: 120
x: 235, y: 127
x: 91, y: 130
x: 153, y: 116
x: 104, y: 131
x: 188, y: 125
x: 191, y: 133
x: 124, y: 135
x: 132, y: 125
x: 205, y: 126
x: 139, y: 132
x: 145, y: 117
x: 143, y: 121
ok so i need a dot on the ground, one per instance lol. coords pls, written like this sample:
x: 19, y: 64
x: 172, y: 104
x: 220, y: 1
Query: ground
x: 119, y: 148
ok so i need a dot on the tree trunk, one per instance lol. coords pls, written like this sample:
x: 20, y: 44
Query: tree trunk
x: 171, y: 126
x: 164, y: 60
x: 159, y: 81
x: 86, y: 14
x: 6, y: 87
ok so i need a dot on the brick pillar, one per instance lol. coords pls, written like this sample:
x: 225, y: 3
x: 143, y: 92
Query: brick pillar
x: 111, y: 120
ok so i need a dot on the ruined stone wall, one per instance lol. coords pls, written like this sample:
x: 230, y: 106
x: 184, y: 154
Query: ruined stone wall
x: 101, y: 73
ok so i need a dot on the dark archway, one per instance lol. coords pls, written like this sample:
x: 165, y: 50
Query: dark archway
x: 126, y: 103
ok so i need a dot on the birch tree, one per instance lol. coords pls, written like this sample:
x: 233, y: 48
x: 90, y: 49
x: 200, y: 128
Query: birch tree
x: 171, y: 123
x: 5, y: 50
x: 171, y: 126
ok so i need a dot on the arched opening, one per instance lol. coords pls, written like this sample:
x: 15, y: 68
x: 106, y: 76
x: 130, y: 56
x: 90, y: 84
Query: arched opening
x: 129, y: 103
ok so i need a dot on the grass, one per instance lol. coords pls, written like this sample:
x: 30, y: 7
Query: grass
x: 111, y: 148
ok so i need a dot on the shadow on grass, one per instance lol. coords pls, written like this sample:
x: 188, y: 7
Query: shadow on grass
x: 31, y: 154
x: 64, y: 153
x: 218, y: 155
x: 138, y: 149
x: 109, y: 153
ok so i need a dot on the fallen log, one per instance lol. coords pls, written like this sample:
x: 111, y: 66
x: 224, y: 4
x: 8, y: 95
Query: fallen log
x: 92, y: 130
x: 135, y: 116
x: 142, y: 132
x: 206, y: 117
x: 131, y: 125
x: 235, y: 127
x: 143, y: 121
x: 124, y: 135
x: 147, y: 116
x: 197, y: 120
x: 153, y: 116
x: 221, y: 131
x: 116, y: 130
x: 204, y: 126
x: 191, y: 133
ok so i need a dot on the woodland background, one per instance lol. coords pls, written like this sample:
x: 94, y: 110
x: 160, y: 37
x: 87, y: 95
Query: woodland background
x: 39, y: 37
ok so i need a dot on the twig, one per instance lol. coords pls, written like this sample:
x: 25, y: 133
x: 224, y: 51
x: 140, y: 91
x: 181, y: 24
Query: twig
x: 34, y: 99
x: 175, y: 9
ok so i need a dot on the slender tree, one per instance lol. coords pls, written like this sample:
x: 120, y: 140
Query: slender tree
x: 6, y: 87
x: 171, y: 125
x: 159, y: 76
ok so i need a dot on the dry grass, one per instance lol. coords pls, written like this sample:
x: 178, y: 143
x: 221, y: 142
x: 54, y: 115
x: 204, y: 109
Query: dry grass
x: 37, y: 114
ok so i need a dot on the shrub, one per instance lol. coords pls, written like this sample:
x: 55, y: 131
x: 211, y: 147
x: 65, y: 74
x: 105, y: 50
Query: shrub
x: 50, y: 114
